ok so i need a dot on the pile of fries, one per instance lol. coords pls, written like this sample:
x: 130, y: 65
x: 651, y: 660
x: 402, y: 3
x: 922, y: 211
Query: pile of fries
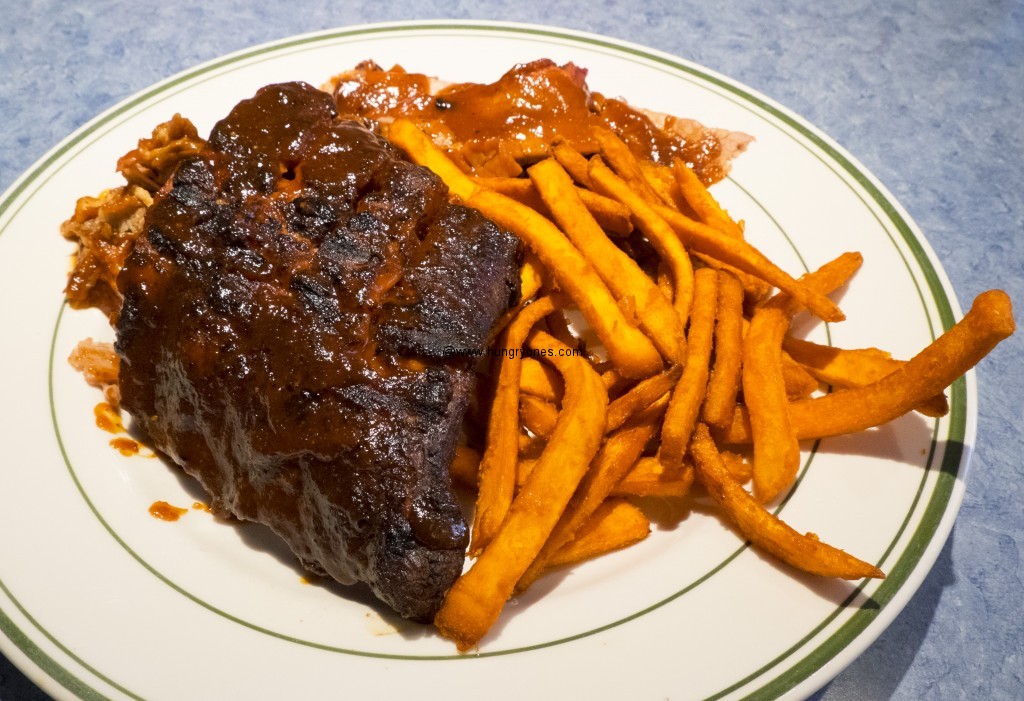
x: 698, y: 359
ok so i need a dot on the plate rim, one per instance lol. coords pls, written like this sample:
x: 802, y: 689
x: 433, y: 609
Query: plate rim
x: 905, y: 577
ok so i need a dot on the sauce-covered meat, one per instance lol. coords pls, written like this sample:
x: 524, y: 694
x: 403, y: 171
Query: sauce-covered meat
x: 287, y: 320
x: 494, y: 128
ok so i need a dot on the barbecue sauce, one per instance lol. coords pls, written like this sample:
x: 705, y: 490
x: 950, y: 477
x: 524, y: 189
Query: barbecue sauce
x: 107, y: 418
x: 126, y: 446
x: 515, y: 119
x: 166, y: 512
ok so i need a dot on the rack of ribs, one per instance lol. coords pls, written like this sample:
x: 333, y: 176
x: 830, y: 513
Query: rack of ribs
x: 286, y: 332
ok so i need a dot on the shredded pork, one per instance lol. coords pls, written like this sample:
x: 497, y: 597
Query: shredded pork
x: 105, y: 228
x: 107, y: 225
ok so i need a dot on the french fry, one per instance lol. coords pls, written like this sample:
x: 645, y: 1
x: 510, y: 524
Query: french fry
x: 826, y: 279
x: 620, y: 451
x: 531, y: 277
x: 664, y: 280
x: 631, y: 351
x: 741, y: 470
x: 529, y: 446
x: 615, y: 524
x: 762, y: 528
x: 650, y: 478
x: 724, y: 380
x: 465, y: 469
x: 474, y: 602
x: 989, y: 321
x: 531, y: 281
x: 776, y: 450
x: 617, y: 154
x: 627, y: 346
x: 661, y: 236
x: 776, y: 447
x: 613, y: 380
x: 844, y: 368
x: 663, y: 182
x: 538, y: 416
x: 642, y: 395
x: 688, y: 395
x: 525, y: 467
x: 744, y: 257
x: 620, y: 272
x: 799, y: 383
x: 496, y: 483
x: 755, y: 289
x: 540, y: 380
x: 861, y: 365
x: 703, y: 202
x: 612, y: 216
x: 421, y: 150
x: 518, y: 189
x: 573, y: 161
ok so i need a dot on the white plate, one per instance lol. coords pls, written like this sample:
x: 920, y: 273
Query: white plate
x: 99, y: 599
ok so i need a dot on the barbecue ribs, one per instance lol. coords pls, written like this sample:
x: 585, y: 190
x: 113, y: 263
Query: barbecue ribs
x: 286, y: 333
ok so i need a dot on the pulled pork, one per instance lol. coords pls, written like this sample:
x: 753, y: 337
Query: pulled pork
x: 106, y: 226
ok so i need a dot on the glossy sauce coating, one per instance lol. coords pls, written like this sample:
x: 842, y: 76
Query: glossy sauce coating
x: 126, y: 446
x: 282, y: 338
x: 515, y: 118
x: 166, y: 512
x: 107, y: 418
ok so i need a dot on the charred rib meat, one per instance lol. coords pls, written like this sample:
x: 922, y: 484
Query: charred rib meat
x: 283, y: 337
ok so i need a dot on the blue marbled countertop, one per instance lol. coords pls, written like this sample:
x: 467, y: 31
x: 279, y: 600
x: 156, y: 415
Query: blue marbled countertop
x: 926, y: 94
